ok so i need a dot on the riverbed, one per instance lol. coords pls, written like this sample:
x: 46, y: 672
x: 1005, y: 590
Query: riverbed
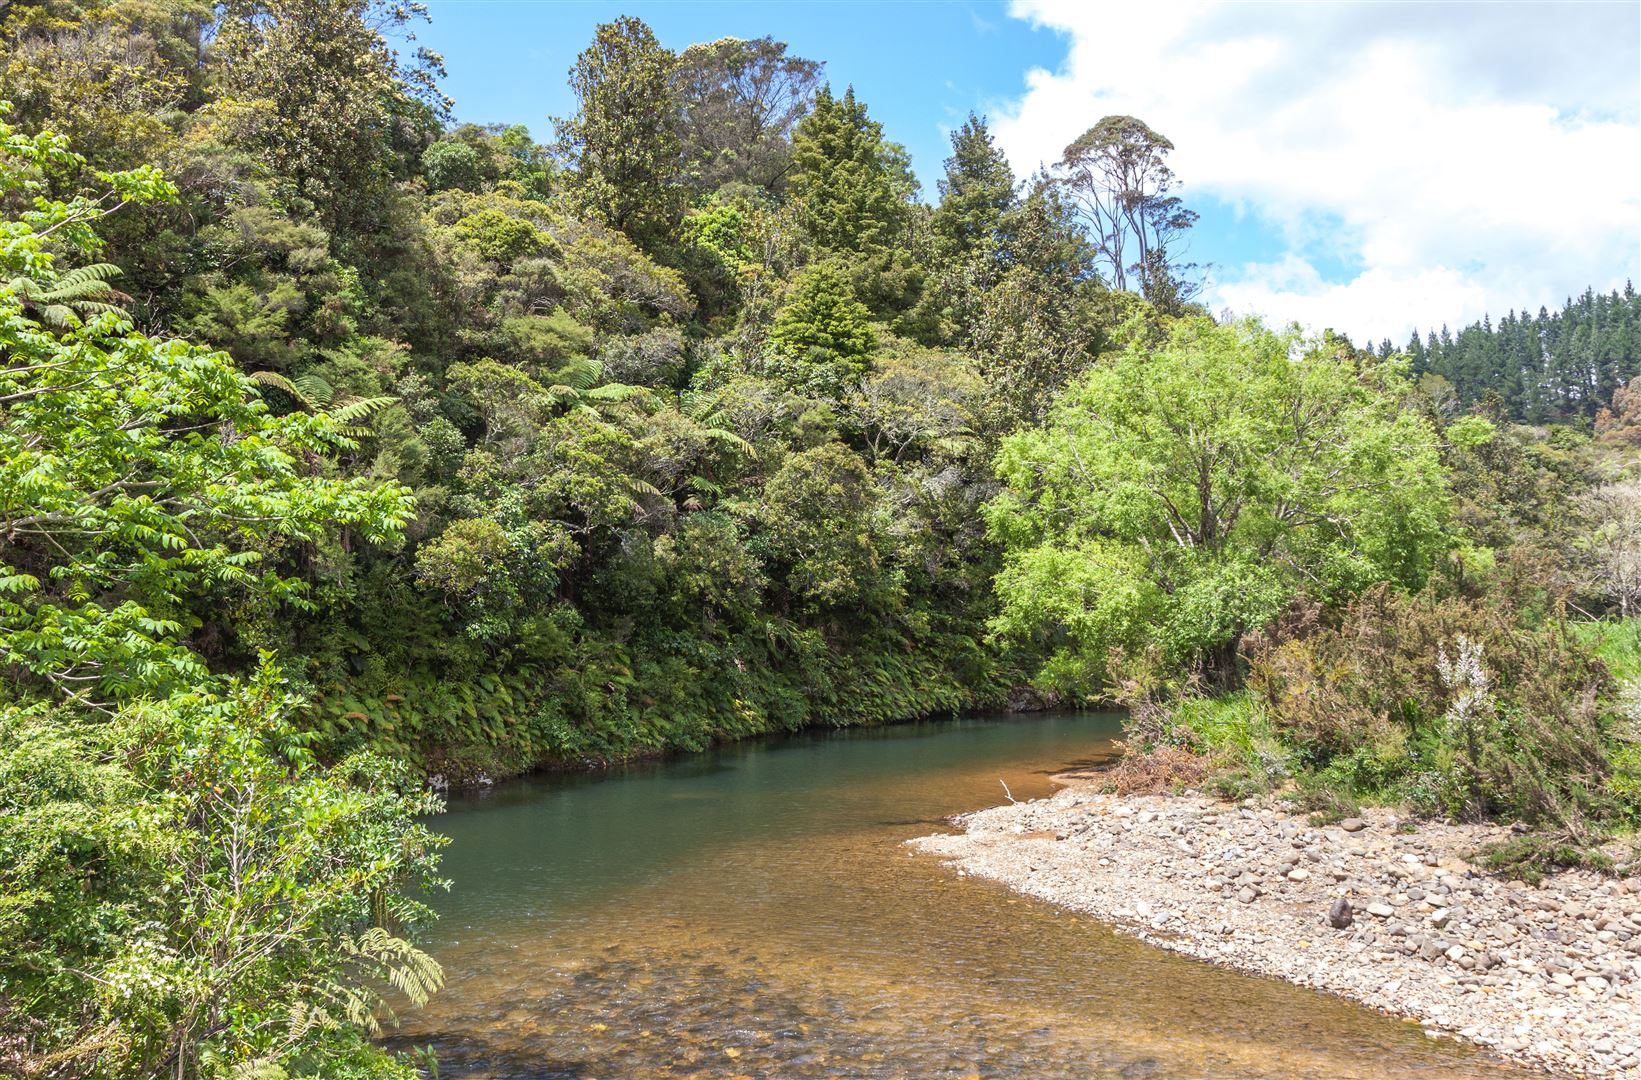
x: 754, y: 911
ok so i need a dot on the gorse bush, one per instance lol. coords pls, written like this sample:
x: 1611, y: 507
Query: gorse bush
x: 1452, y: 703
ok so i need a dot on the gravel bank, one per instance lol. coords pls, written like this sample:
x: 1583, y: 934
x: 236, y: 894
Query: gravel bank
x: 1399, y: 921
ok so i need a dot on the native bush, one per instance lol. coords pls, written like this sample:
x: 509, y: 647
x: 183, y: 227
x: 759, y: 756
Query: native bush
x: 1453, y: 703
x: 186, y: 891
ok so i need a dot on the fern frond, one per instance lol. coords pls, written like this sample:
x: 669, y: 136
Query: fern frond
x: 644, y: 487
x: 315, y: 389
x: 732, y: 440
x: 77, y: 293
x: 85, y: 281
x: 706, y: 487
x: 581, y: 373
x: 360, y: 409
x: 275, y: 380
x: 406, y: 968
x: 616, y: 392
x: 280, y: 382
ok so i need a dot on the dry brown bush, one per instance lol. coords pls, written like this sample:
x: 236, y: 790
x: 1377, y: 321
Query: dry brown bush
x: 1158, y: 771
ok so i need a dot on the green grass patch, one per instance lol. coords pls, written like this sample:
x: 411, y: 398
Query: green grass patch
x: 1617, y: 642
x: 1233, y: 732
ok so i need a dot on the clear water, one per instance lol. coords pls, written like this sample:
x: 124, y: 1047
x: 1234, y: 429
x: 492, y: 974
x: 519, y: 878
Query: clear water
x: 753, y: 912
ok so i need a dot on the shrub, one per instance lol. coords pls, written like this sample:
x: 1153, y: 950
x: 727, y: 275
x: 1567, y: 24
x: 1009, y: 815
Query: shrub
x: 185, y: 891
x: 1454, y: 703
x: 449, y: 164
x: 1158, y: 771
x: 1530, y: 856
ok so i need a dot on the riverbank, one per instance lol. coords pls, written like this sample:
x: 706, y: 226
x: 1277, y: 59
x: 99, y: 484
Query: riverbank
x: 1547, y: 975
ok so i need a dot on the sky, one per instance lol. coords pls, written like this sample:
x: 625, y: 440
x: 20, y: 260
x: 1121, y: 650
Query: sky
x: 1370, y: 167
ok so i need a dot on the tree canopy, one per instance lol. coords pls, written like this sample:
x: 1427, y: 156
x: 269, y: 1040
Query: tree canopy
x: 1183, y: 496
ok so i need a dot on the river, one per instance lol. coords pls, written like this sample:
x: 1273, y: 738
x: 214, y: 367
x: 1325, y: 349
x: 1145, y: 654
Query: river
x: 752, y: 911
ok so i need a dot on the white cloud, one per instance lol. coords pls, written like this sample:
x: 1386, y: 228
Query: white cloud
x: 1460, y: 158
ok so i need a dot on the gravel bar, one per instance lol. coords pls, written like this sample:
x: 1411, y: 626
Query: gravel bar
x: 1395, y: 918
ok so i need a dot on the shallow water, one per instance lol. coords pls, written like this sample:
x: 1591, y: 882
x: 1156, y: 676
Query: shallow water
x: 753, y: 912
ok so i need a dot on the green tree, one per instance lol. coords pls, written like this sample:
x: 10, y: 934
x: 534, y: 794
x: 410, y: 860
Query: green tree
x: 450, y: 164
x: 1038, y: 317
x: 817, y: 519
x: 1183, y: 496
x: 124, y: 509
x: 851, y: 188
x: 317, y: 90
x: 977, y: 190
x: 184, y: 889
x: 625, y: 141
x: 822, y: 341
x: 741, y: 100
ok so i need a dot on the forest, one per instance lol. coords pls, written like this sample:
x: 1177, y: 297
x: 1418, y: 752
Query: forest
x: 349, y: 455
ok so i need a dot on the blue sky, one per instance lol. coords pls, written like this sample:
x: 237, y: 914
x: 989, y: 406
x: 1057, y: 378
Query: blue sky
x: 920, y: 67
x: 1373, y: 167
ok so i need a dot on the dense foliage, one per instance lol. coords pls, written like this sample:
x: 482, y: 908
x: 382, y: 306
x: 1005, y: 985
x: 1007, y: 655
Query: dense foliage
x: 343, y: 448
x: 1184, y: 495
x: 184, y: 887
x: 1554, y: 366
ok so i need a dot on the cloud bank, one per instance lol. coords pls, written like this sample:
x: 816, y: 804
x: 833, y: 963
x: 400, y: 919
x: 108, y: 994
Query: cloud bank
x: 1419, y: 163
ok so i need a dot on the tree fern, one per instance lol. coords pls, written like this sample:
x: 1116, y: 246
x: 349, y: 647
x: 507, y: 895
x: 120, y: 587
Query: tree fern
x: 309, y: 391
x: 71, y: 297
x: 312, y: 393
x: 732, y: 440
x: 706, y: 409
x: 579, y: 374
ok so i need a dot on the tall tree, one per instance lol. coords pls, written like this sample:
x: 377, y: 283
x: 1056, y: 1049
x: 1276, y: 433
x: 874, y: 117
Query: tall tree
x: 977, y: 190
x: 327, y: 100
x: 852, y: 189
x: 741, y: 99
x: 1117, y: 174
x: 1032, y: 324
x: 626, y: 137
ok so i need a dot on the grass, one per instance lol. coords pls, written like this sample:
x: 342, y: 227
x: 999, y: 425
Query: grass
x: 1618, y: 643
x: 1232, y: 732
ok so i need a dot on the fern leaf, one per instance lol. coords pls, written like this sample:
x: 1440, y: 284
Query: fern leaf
x: 315, y: 389
x: 360, y: 409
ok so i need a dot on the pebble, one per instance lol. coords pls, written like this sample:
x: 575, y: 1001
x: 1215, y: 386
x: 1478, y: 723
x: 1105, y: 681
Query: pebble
x: 1550, y: 975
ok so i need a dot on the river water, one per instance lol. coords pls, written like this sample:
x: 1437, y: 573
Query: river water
x: 752, y: 911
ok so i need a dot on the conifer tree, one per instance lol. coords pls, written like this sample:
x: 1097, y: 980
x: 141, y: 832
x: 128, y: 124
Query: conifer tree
x: 852, y: 188
x: 978, y: 189
x: 822, y: 341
